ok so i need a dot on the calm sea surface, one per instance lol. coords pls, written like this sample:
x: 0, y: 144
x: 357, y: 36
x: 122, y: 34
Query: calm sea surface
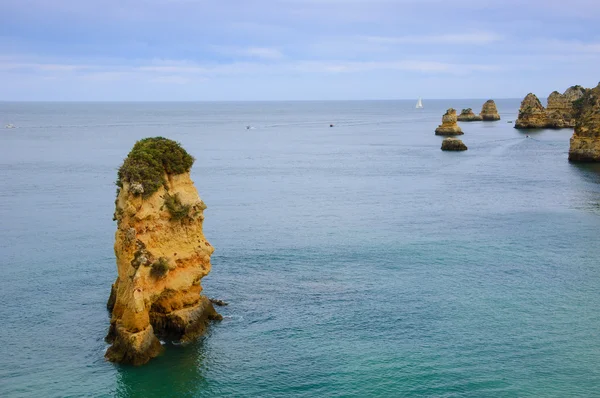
x: 358, y: 260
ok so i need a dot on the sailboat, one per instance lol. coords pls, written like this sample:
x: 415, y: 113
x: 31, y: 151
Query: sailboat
x: 419, y: 104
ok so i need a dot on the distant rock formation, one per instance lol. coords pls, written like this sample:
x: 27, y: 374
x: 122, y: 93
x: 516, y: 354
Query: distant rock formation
x: 467, y: 115
x: 453, y: 144
x: 558, y: 114
x: 489, y: 112
x: 532, y: 114
x: 585, y: 142
x: 161, y: 252
x: 449, y: 126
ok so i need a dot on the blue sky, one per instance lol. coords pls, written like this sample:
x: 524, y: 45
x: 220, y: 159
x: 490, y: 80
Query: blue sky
x: 295, y: 49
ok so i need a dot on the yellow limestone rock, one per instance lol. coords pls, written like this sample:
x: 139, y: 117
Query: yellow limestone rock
x: 449, y: 125
x: 560, y: 109
x: 531, y: 113
x: 467, y: 115
x: 585, y: 142
x: 161, y: 253
x: 489, y: 112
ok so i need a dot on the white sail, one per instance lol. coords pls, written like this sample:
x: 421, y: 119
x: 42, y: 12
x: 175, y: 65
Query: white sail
x: 419, y: 104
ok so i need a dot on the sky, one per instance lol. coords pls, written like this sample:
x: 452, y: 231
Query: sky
x: 201, y: 50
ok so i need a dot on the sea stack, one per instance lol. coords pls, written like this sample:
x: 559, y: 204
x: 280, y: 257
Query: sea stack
x: 449, y: 126
x: 489, y: 112
x: 585, y: 143
x: 560, y: 111
x: 467, y: 115
x: 453, y: 144
x: 531, y: 113
x: 161, y: 253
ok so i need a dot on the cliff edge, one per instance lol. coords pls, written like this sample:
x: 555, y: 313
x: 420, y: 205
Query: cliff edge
x: 585, y: 142
x: 161, y: 253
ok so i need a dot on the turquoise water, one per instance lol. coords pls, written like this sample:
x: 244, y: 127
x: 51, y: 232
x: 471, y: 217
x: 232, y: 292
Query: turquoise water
x: 358, y: 260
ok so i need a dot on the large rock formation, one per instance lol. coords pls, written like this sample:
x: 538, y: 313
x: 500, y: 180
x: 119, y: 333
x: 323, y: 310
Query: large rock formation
x: 467, y: 115
x: 558, y: 114
x: 489, y: 112
x: 449, y: 126
x: 161, y: 254
x: 531, y: 113
x: 585, y: 143
x: 453, y: 144
x: 560, y: 110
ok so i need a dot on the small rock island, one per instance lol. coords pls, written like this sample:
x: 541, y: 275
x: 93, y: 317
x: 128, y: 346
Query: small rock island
x: 467, y: 115
x: 585, y: 142
x: 453, y: 144
x: 449, y: 125
x: 162, y: 254
x: 489, y: 112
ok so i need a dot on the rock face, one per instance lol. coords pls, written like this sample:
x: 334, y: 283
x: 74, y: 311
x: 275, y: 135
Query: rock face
x: 467, y: 115
x: 585, y: 143
x: 531, y: 113
x: 453, y: 144
x: 558, y: 114
x: 449, y: 126
x: 560, y: 110
x: 161, y: 254
x: 489, y: 112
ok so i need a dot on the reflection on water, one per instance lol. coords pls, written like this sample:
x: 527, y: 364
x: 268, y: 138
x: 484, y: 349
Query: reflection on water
x: 179, y: 371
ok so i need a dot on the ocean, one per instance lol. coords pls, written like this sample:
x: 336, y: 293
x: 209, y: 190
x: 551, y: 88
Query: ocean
x: 358, y: 260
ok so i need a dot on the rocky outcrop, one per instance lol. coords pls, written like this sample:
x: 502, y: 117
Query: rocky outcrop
x: 531, y: 113
x: 161, y: 253
x: 560, y: 110
x: 467, y: 115
x: 585, y: 142
x: 489, y: 112
x: 557, y: 115
x: 449, y: 126
x: 453, y: 144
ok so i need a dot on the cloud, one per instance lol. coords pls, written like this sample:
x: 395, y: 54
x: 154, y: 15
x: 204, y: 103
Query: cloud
x: 266, y: 53
x: 458, y: 38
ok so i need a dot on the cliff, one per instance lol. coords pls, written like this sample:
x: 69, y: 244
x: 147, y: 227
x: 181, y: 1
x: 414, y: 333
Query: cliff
x: 489, y: 112
x: 531, y: 113
x: 161, y: 253
x: 467, y: 115
x: 560, y: 111
x: 585, y: 142
x: 449, y: 125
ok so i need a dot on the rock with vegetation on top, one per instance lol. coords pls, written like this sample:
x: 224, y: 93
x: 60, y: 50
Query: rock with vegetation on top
x: 453, y: 144
x: 467, y: 115
x: 560, y: 111
x: 161, y: 252
x: 489, y: 112
x: 585, y: 142
x: 449, y: 125
x: 531, y: 113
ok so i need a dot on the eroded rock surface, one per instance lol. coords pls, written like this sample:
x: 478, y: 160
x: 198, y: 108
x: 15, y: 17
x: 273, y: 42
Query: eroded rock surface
x: 585, y: 142
x: 162, y: 254
x: 531, y: 113
x: 453, y: 144
x: 467, y: 115
x: 449, y: 125
x: 560, y: 111
x: 489, y: 112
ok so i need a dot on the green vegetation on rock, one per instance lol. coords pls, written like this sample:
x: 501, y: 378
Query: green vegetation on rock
x: 145, y: 166
x: 177, y: 209
x: 160, y: 268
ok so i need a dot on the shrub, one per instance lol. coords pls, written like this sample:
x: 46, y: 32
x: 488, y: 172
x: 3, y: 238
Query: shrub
x: 160, y: 268
x: 177, y: 209
x: 148, y: 162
